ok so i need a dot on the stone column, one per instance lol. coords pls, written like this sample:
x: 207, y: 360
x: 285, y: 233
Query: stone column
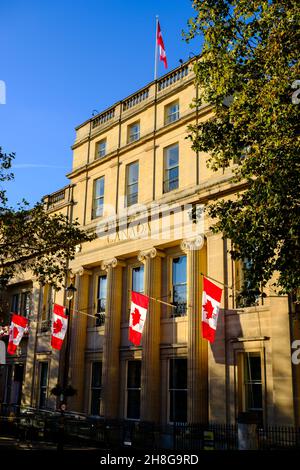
x: 197, y: 346
x: 30, y: 370
x: 78, y: 338
x: 150, y: 375
x: 111, y: 345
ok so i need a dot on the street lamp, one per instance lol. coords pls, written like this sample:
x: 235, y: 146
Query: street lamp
x: 66, y: 390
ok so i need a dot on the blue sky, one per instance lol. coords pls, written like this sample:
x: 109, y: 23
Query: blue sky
x: 60, y: 60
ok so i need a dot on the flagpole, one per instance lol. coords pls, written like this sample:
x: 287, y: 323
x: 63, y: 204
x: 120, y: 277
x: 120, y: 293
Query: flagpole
x: 215, y: 280
x: 155, y: 62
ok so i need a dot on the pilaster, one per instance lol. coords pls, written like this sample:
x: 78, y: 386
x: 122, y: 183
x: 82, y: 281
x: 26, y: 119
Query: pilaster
x: 111, y: 345
x: 78, y: 337
x: 197, y: 346
x: 150, y: 375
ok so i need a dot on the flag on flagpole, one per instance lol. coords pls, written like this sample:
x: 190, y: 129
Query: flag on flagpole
x: 16, y: 331
x: 211, y: 299
x: 59, y: 326
x: 138, y: 312
x: 160, y: 43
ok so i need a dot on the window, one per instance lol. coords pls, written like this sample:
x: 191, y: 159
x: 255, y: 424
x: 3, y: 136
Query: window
x: 172, y: 112
x: 253, y: 383
x: 132, y: 179
x: 178, y: 390
x: 98, y: 199
x: 43, y: 384
x: 179, y: 285
x: 15, y: 303
x: 171, y: 168
x: 133, y: 132
x: 96, y: 388
x: 133, y: 389
x: 138, y: 279
x: 101, y: 148
x: 47, y: 308
x: 101, y: 300
x: 247, y: 294
x: 25, y: 304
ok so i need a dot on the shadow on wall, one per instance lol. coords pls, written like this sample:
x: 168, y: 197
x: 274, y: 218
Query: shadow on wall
x: 226, y: 330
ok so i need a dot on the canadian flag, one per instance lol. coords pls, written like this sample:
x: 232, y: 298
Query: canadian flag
x: 162, y: 50
x: 211, y: 299
x: 138, y: 312
x: 16, y: 331
x: 59, y: 326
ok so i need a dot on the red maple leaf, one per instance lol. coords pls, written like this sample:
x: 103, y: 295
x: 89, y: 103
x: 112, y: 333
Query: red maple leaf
x: 15, y: 332
x: 209, y: 309
x: 57, y: 326
x: 136, y: 316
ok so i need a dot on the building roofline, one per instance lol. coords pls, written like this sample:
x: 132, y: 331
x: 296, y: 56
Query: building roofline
x: 137, y: 91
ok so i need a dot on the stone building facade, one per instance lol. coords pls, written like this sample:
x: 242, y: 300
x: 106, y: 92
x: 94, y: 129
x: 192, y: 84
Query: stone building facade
x: 137, y: 184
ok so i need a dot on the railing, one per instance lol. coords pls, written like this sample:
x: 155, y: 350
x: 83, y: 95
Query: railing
x: 135, y: 99
x: 36, y: 424
x: 173, y: 77
x: 56, y: 197
x: 278, y: 437
x: 100, y: 318
x: 103, y: 117
x: 179, y: 310
x: 45, y: 326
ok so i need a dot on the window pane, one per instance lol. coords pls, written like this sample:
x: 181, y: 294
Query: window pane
x: 102, y: 287
x: 95, y: 401
x: 178, y: 406
x: 252, y: 367
x: 179, y: 270
x: 134, y: 374
x: 96, y: 374
x: 138, y: 279
x: 15, y: 303
x: 172, y: 156
x: 254, y: 396
x: 44, y: 373
x: 99, y: 187
x: 133, y: 173
x: 178, y: 374
x: 101, y: 148
x: 133, y: 404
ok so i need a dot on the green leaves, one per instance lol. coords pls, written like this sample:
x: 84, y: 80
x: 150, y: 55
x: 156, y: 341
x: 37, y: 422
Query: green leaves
x: 250, y: 52
x: 33, y: 239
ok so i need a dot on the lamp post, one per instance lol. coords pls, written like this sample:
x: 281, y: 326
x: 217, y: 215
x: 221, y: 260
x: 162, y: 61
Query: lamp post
x: 66, y: 389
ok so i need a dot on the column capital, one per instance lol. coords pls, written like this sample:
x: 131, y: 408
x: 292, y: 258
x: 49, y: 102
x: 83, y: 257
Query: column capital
x: 80, y: 271
x: 192, y: 244
x: 150, y: 253
x: 111, y: 263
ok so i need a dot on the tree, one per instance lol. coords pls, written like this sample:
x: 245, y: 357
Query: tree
x: 31, y: 238
x: 247, y: 70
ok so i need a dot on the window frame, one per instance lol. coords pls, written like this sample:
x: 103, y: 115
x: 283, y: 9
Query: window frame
x: 128, y: 185
x: 25, y: 295
x: 167, y: 170
x: 43, y: 388
x: 129, y: 389
x: 95, y: 205
x: 168, y: 117
x: 95, y: 388
x: 99, y: 153
x: 175, y: 314
x: 100, y: 320
x: 133, y: 136
x: 174, y: 389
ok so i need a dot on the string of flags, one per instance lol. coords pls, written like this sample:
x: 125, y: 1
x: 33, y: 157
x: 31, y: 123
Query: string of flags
x: 211, y: 299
